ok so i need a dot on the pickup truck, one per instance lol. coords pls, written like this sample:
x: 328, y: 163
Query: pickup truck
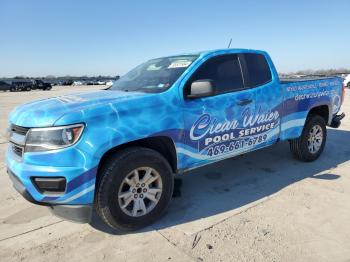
x: 39, y: 84
x: 116, y: 151
x: 26, y: 85
x: 21, y: 85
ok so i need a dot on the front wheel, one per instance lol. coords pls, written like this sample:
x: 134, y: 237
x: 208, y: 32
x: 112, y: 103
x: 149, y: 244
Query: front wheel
x: 309, y: 146
x: 134, y: 189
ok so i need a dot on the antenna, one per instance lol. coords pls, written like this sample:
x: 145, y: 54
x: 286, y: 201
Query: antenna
x: 229, y: 44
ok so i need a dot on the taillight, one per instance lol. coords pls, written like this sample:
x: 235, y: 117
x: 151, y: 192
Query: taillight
x: 343, y: 95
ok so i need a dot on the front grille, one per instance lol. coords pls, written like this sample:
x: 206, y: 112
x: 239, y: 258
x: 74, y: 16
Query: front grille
x: 19, y: 129
x: 17, y: 139
x: 17, y: 150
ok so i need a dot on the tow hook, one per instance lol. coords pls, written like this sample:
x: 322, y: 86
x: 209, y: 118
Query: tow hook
x: 336, y: 121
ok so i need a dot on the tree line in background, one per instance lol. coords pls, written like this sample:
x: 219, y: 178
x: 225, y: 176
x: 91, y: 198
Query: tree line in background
x: 65, y: 77
x: 320, y: 72
x: 307, y: 72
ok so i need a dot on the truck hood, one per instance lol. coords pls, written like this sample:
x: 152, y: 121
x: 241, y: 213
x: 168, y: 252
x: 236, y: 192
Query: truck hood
x: 45, y: 112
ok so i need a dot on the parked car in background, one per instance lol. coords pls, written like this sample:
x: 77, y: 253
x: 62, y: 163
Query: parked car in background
x: 77, y: 83
x: 90, y: 82
x: 22, y: 85
x: 39, y: 84
x: 67, y: 83
x: 95, y: 82
x: 347, y: 81
x: 5, y: 86
x: 109, y: 83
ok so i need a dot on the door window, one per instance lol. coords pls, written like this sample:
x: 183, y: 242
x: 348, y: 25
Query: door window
x: 224, y: 71
x: 258, y: 70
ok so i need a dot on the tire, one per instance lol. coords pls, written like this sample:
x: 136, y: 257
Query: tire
x: 13, y: 89
x: 301, y: 147
x: 28, y: 89
x: 111, y: 186
x: 348, y: 85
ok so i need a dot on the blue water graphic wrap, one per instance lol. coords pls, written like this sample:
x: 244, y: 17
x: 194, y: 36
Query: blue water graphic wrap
x: 203, y: 130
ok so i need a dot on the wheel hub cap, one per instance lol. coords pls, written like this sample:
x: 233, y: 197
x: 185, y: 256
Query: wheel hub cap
x: 315, y: 139
x: 140, y: 191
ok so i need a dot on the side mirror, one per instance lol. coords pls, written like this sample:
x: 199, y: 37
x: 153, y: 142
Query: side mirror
x: 201, y: 88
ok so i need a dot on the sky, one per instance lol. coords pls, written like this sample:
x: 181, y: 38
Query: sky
x: 106, y: 37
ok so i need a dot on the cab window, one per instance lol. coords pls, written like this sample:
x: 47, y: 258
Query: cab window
x: 257, y: 70
x: 224, y: 71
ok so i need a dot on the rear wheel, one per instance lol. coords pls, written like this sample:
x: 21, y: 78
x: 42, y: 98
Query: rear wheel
x: 13, y: 89
x: 135, y: 188
x: 309, y: 146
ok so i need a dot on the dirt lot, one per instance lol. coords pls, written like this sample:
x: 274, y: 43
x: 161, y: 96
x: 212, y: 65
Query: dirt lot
x: 263, y: 206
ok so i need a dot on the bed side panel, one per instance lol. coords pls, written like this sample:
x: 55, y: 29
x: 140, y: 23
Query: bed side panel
x: 301, y: 96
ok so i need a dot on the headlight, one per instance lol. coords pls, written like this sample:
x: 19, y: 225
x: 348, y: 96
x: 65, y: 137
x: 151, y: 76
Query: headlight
x: 51, y: 138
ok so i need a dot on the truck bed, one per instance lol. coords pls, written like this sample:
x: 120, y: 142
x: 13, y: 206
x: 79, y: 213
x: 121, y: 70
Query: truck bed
x: 302, y: 79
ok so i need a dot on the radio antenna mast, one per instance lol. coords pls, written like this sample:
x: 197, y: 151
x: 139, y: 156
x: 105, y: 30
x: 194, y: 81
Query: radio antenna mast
x: 229, y: 44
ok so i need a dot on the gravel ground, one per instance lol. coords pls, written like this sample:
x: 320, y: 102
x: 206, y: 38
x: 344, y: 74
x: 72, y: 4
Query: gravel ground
x: 263, y: 206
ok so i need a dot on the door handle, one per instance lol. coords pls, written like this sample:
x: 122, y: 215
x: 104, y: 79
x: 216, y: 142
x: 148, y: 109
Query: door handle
x: 243, y: 102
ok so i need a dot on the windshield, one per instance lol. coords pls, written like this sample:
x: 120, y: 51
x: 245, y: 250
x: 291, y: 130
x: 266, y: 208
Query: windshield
x: 154, y: 76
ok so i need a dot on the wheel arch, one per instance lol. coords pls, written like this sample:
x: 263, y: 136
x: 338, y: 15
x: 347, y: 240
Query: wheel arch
x: 162, y: 144
x: 322, y: 110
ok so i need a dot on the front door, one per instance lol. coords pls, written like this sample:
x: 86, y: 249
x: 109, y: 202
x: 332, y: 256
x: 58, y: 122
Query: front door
x: 219, y: 126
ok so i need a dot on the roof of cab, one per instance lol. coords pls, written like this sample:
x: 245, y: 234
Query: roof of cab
x: 223, y: 51
x: 217, y: 52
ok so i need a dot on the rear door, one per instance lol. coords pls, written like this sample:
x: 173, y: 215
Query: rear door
x: 258, y: 75
x: 214, y: 126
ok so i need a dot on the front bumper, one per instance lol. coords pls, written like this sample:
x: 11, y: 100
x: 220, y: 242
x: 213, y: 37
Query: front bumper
x: 80, y: 179
x: 20, y: 188
x: 75, y: 213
